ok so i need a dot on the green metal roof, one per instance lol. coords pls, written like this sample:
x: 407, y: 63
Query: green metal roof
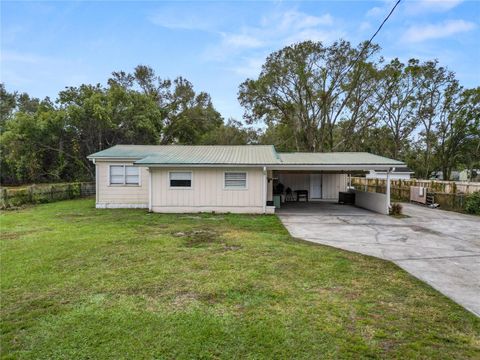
x: 336, y: 158
x: 193, y: 154
x: 235, y: 155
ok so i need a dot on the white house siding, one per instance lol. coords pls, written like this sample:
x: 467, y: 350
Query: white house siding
x: 120, y: 196
x: 207, y: 192
x: 331, y: 184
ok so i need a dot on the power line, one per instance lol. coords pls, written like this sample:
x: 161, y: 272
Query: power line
x: 371, y: 39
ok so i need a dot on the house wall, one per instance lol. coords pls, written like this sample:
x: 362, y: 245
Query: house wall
x: 372, y: 201
x: 207, y: 192
x: 120, y: 196
x: 331, y: 184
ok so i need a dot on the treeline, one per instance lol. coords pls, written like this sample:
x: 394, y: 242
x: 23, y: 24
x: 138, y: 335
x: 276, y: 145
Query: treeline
x: 342, y: 98
x: 308, y: 97
x: 45, y: 140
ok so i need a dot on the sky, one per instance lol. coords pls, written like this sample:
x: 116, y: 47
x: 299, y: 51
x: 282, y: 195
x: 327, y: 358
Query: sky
x: 46, y: 46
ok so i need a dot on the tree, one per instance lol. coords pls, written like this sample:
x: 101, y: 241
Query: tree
x: 309, y: 88
x: 397, y: 112
x: 49, y: 141
x: 459, y: 130
x: 434, y: 82
x: 231, y: 133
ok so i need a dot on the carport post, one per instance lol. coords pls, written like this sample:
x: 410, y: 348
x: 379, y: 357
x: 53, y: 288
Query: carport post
x: 388, y: 187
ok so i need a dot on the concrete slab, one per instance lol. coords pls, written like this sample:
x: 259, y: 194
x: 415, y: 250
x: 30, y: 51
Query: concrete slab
x: 439, y: 247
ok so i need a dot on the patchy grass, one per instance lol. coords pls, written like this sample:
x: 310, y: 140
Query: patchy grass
x: 81, y: 283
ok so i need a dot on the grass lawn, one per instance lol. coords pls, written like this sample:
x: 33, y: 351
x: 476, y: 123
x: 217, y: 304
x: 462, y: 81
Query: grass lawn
x: 81, y: 283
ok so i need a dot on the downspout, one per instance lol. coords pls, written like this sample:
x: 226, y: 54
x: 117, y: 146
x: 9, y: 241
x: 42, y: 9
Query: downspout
x: 149, y: 189
x: 96, y: 182
x: 264, y: 190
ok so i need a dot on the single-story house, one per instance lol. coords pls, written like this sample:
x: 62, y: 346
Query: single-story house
x: 237, y: 179
x: 400, y: 173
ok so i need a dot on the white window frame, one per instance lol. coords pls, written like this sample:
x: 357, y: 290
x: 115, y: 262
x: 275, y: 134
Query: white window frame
x: 180, y: 187
x: 124, y: 175
x: 235, y: 188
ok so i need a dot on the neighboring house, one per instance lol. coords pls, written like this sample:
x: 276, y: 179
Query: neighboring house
x: 438, y: 175
x: 239, y: 179
x: 469, y: 175
x: 400, y: 173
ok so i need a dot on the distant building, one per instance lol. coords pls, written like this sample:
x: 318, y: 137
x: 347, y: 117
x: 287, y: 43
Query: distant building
x: 462, y: 176
x: 469, y: 175
x: 400, y: 173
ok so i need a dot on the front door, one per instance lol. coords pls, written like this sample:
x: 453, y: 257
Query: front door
x: 315, y: 186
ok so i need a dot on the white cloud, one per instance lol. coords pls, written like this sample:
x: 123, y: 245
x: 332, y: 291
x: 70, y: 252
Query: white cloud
x: 13, y: 56
x: 187, y: 22
x: 422, y: 6
x: 375, y: 11
x: 314, y: 35
x: 276, y: 30
x: 241, y: 41
x: 187, y: 16
x: 364, y: 25
x: 249, y: 67
x: 418, y: 33
x: 294, y: 19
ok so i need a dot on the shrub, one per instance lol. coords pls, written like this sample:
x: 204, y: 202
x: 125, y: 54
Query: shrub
x: 472, y: 204
x: 396, y: 209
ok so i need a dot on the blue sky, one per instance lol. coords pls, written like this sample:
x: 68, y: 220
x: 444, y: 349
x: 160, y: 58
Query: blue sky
x: 46, y: 46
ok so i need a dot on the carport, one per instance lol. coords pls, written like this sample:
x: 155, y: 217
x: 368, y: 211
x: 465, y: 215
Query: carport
x: 324, y: 175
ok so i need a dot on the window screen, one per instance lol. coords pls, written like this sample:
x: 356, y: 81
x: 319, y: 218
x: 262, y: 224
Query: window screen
x: 116, y: 174
x: 131, y: 175
x: 124, y: 175
x: 235, y: 180
x: 180, y: 179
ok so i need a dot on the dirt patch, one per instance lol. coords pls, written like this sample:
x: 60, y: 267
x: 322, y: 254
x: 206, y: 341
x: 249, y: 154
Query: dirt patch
x: 184, y: 299
x: 227, y: 247
x: 14, y: 235
x: 74, y: 217
x: 153, y: 230
x: 211, y: 298
x: 153, y: 291
x: 198, y: 237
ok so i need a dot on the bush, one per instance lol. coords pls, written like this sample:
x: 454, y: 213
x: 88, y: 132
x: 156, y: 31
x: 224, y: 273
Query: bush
x: 472, y: 204
x: 396, y: 209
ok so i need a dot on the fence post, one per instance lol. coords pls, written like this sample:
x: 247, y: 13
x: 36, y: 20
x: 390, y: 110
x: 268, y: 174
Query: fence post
x: 30, y: 194
x: 5, y: 197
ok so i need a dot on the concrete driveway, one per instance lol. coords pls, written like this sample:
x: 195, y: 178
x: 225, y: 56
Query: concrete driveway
x: 439, y: 247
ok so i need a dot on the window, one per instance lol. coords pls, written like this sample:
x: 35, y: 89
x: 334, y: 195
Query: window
x: 235, y: 180
x: 131, y: 175
x: 181, y: 179
x: 124, y: 175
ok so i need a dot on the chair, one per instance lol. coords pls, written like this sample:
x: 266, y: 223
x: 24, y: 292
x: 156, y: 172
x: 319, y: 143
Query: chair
x: 289, y: 195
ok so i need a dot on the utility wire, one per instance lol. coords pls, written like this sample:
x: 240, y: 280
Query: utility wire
x: 371, y: 39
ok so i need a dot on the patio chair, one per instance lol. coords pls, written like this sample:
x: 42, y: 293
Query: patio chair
x: 289, y: 195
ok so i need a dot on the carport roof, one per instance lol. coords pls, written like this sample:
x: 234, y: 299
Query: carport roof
x: 336, y: 158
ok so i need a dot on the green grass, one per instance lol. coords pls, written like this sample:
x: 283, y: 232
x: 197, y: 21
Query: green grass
x: 81, y: 283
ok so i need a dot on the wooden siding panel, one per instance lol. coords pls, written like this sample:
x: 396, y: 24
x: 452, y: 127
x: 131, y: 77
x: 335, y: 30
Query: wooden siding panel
x: 207, y: 189
x: 117, y: 194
